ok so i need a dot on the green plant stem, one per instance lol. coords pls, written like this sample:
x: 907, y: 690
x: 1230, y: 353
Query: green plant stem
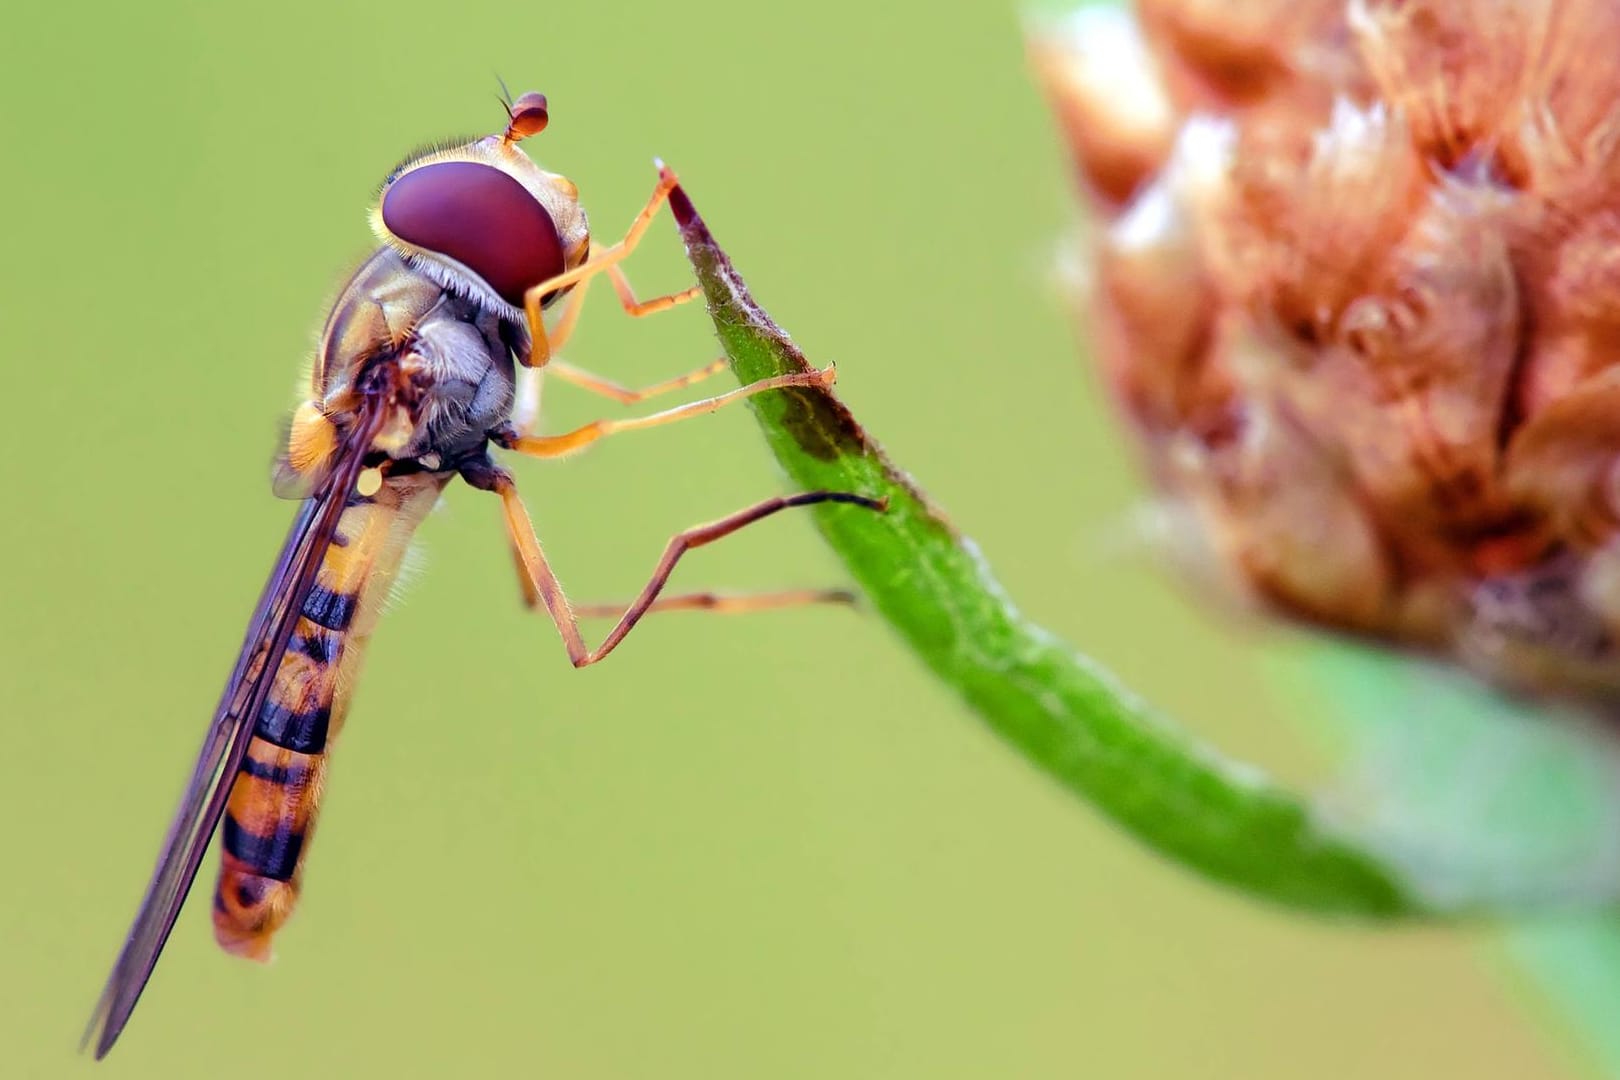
x: 1514, y: 806
x: 1058, y: 708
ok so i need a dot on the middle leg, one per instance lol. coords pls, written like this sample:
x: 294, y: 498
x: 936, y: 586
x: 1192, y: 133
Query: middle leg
x: 512, y: 437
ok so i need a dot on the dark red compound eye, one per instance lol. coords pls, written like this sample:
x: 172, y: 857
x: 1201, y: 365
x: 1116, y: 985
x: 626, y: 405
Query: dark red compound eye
x: 480, y: 217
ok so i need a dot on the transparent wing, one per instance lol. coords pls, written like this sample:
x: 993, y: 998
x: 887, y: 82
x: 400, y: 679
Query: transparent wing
x: 222, y: 752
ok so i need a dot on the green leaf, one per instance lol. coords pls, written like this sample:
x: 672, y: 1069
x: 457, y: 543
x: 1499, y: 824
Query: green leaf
x: 1574, y: 962
x: 1514, y: 807
x: 1057, y: 707
x: 1494, y: 804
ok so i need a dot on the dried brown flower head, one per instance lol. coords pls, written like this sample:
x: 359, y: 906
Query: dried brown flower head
x: 1357, y: 289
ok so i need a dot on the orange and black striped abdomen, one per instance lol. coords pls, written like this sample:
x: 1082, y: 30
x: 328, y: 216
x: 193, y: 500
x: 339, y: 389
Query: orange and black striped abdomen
x: 276, y: 796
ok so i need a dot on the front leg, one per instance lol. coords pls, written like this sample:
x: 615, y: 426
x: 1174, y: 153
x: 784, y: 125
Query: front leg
x: 542, y: 345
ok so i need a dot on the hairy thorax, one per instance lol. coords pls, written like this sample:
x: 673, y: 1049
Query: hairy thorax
x: 450, y: 362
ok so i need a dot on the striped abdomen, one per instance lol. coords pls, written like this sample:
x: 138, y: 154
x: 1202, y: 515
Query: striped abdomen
x: 277, y: 792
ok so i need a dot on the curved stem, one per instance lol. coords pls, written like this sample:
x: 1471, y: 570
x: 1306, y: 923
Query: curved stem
x: 1057, y: 707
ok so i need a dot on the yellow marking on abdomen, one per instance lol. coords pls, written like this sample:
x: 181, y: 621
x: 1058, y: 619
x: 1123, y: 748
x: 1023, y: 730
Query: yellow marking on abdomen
x: 276, y: 795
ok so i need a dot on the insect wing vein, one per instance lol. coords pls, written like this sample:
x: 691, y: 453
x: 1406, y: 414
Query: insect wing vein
x: 209, y: 787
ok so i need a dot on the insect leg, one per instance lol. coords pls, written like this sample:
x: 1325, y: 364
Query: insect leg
x: 638, y: 308
x: 558, y: 335
x: 526, y: 400
x: 600, y: 259
x: 598, y: 384
x: 724, y: 603
x: 544, y: 585
x: 720, y: 603
x: 526, y: 578
x: 551, y: 446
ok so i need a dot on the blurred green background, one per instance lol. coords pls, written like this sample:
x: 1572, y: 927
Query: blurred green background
x: 741, y: 847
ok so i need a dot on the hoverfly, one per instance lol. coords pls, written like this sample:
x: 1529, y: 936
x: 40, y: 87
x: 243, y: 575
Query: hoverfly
x: 431, y: 353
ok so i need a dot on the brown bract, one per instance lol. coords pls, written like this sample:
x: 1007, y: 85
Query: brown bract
x: 1356, y: 287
